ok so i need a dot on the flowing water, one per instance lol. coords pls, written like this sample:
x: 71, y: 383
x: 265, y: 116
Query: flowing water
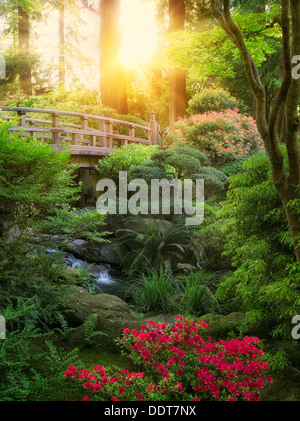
x: 104, y: 279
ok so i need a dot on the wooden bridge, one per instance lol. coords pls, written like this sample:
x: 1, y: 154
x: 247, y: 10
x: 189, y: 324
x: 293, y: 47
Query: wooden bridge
x: 88, y: 136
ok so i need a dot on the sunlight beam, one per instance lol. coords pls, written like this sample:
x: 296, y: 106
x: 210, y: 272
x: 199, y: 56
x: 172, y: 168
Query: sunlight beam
x: 139, y: 32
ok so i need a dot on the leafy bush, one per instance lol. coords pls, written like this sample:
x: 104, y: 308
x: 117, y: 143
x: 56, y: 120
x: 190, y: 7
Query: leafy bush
x: 184, y: 158
x: 215, y: 181
x: 259, y: 246
x: 157, y: 244
x: 35, y: 184
x: 28, y: 274
x: 33, y: 178
x: 213, y: 100
x: 175, y: 363
x: 190, y: 163
x: 197, y: 293
x: 223, y: 136
x: 197, y: 299
x: 155, y: 291
x: 66, y: 222
x: 147, y: 171
x: 122, y: 159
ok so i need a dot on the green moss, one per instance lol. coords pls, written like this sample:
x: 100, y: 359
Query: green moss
x: 221, y: 327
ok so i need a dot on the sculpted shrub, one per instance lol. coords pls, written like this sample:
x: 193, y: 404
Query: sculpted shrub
x: 212, y: 100
x: 223, y: 136
x: 181, y: 363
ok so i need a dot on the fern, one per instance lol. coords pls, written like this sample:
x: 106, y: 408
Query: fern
x: 89, y: 327
x: 65, y: 329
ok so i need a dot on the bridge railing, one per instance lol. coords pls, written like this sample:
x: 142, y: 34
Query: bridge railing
x: 92, y: 135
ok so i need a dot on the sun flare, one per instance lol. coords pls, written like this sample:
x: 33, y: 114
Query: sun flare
x: 139, y: 32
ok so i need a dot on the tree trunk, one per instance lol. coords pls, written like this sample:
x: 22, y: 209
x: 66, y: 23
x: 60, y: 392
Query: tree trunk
x: 178, y: 99
x: 24, y: 51
x: 61, y: 33
x: 112, y: 74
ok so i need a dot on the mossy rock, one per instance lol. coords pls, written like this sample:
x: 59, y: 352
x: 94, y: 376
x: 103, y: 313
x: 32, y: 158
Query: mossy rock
x: 113, y: 315
x: 71, y: 275
x: 220, y: 326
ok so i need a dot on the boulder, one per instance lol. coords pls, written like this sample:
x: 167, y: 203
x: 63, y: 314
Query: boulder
x: 220, y: 326
x: 106, y: 252
x: 113, y: 316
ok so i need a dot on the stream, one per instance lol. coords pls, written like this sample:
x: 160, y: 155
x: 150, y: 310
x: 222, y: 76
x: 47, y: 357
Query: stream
x: 104, y: 278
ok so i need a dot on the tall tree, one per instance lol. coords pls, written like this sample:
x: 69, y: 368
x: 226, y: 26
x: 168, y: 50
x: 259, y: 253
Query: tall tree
x: 24, y: 48
x: 112, y: 73
x: 61, y: 34
x: 287, y: 185
x: 178, y: 99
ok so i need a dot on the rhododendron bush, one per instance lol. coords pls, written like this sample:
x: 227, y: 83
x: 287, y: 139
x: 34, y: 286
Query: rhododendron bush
x: 179, y: 363
x: 223, y: 136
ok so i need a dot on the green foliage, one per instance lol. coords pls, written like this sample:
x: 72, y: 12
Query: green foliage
x: 155, y: 291
x: 149, y: 170
x: 208, y: 239
x: 15, y: 357
x: 158, y: 245
x: 184, y: 158
x: 51, y: 385
x: 25, y: 274
x: 213, y: 100
x: 190, y: 294
x: 89, y: 327
x: 258, y: 243
x: 234, y: 167
x: 33, y: 178
x: 211, y: 58
x: 215, y: 181
x: 197, y: 299
x: 122, y: 159
x: 67, y: 222
x: 278, y: 361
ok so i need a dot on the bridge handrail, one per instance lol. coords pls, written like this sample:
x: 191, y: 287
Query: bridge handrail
x: 24, y: 110
x: 99, y: 138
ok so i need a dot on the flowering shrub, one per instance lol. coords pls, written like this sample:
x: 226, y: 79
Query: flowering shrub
x: 223, y: 136
x: 177, y: 363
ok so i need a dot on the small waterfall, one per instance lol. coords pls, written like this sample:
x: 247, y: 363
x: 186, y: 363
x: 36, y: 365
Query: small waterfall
x: 104, y: 280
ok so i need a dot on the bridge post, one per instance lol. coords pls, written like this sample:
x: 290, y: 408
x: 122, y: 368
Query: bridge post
x: 33, y: 133
x: 22, y: 115
x: 55, y: 125
x: 109, y: 129
x: 154, y: 129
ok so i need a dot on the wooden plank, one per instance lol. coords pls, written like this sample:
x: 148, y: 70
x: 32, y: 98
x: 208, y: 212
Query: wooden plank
x: 69, y: 113
x: 84, y: 132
